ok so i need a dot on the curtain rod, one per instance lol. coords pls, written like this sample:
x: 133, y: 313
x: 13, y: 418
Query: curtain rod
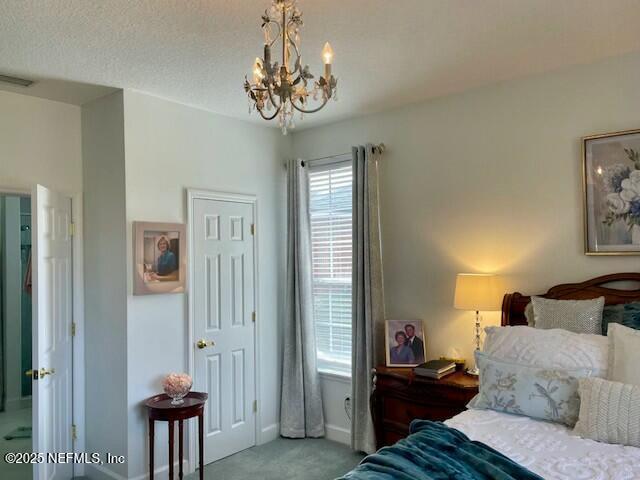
x: 381, y: 147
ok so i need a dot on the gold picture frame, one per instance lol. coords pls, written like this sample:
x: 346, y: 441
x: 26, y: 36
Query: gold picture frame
x: 611, y: 207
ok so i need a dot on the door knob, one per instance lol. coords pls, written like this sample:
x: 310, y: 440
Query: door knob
x: 205, y: 343
x: 44, y: 372
x: 32, y: 373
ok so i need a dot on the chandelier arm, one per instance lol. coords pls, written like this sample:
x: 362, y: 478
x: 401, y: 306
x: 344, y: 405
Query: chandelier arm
x: 285, y: 34
x: 271, y: 97
x: 301, y: 110
x: 296, y: 49
x: 275, y: 114
x: 276, y: 37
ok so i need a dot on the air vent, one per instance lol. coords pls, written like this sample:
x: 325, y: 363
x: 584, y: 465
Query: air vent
x: 16, y: 81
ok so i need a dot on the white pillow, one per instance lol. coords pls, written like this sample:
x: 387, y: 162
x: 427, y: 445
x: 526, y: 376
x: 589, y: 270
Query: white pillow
x: 579, y: 316
x: 556, y: 348
x: 609, y: 411
x: 624, y: 354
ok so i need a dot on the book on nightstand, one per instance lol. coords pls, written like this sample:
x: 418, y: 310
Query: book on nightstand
x: 435, y: 369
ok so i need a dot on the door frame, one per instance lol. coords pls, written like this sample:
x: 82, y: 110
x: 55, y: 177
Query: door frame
x: 250, y: 199
x: 78, y: 384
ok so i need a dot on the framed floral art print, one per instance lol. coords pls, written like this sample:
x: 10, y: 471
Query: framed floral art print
x: 612, y: 193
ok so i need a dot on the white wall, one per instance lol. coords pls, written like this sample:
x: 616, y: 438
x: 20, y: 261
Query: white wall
x: 487, y: 181
x: 169, y: 148
x: 337, y: 423
x: 40, y: 142
x: 105, y: 273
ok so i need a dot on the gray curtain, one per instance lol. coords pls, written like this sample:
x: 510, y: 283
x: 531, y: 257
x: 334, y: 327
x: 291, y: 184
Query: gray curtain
x: 368, y: 295
x: 301, y: 401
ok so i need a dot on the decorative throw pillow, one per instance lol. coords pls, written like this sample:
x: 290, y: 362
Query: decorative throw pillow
x: 579, y: 316
x: 542, y: 393
x: 609, y: 411
x: 554, y: 348
x: 624, y: 354
x: 627, y: 314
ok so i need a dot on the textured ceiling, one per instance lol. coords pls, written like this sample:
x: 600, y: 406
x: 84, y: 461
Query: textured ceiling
x: 388, y: 52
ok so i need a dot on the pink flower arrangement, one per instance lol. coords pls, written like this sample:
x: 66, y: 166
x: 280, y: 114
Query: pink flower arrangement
x: 177, y: 385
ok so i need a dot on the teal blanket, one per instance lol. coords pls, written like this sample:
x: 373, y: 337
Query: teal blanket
x: 434, y: 451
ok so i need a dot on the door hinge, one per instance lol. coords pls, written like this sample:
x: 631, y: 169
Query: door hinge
x: 255, y: 406
x: 73, y: 329
x: 253, y: 316
x: 253, y: 229
x: 72, y: 229
x: 74, y: 432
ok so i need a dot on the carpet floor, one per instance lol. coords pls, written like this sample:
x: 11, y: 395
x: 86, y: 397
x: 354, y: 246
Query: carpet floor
x: 284, y: 459
x: 10, y: 422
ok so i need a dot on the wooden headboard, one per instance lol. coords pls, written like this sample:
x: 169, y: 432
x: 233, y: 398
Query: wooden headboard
x: 513, y: 304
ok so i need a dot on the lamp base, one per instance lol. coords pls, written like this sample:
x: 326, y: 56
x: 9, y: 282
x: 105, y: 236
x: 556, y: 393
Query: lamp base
x: 474, y: 372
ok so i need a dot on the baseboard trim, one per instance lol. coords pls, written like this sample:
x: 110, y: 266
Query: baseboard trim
x: 163, y: 472
x: 338, y: 434
x: 270, y: 433
x: 100, y: 472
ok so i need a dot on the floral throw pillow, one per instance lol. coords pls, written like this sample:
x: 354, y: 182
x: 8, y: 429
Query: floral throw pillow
x: 543, y: 393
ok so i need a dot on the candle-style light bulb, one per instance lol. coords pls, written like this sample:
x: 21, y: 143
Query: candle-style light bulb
x: 257, y: 71
x: 327, y: 54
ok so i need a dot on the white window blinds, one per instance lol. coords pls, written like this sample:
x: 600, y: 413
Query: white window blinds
x: 330, y: 205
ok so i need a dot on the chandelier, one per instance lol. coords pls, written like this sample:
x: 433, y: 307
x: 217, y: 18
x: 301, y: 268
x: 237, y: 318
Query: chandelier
x: 282, y: 90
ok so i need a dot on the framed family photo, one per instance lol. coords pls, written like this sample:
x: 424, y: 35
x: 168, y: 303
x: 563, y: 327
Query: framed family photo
x: 159, y: 258
x: 405, y: 343
x: 611, y: 170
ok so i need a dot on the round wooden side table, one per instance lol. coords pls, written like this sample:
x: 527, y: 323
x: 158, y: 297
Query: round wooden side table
x: 159, y: 408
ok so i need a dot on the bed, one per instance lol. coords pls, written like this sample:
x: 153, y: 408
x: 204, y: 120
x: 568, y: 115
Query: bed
x: 548, y: 450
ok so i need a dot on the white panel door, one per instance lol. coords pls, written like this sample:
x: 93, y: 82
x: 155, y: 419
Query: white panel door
x: 223, y: 306
x: 52, y: 342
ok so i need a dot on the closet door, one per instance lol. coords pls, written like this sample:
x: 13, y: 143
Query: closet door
x: 224, y: 329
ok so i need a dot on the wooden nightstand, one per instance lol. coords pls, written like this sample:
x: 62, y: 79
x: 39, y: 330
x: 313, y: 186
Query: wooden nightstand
x: 399, y: 397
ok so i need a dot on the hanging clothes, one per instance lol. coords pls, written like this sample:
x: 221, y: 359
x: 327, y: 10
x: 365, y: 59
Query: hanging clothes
x: 27, y: 284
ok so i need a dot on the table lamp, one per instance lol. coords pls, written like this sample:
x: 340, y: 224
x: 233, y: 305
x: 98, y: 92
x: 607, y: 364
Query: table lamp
x: 477, y: 292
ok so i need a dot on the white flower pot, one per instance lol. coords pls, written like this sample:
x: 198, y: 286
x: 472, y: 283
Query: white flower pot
x: 635, y: 234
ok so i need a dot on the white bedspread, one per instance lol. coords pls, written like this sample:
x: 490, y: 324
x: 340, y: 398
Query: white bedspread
x: 549, y: 449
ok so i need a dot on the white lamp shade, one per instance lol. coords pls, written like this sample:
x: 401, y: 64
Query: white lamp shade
x: 479, y: 292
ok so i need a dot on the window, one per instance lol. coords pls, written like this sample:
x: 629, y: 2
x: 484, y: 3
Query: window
x: 330, y: 206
